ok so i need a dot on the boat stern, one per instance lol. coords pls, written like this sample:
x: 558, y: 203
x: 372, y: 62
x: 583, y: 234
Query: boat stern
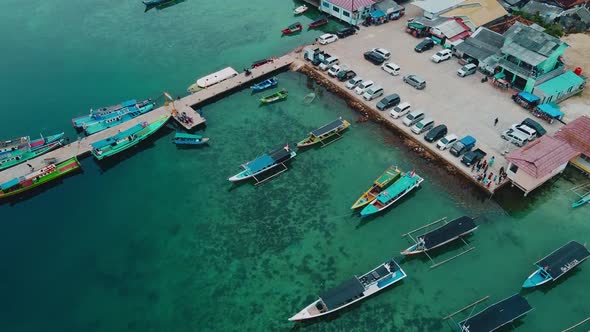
x: 536, y: 279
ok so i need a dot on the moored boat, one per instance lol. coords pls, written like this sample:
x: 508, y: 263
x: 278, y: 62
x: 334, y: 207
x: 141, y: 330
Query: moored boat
x: 113, y: 119
x: 324, y: 133
x: 37, y: 178
x: 293, y: 28
x: 268, y: 83
x: 353, y: 290
x: 30, y: 150
x: 497, y: 315
x: 189, y: 139
x: 212, y: 79
x: 259, y: 63
x: 279, y: 95
x: 557, y: 263
x: 300, y: 10
x: 442, y: 235
x: 12, y: 145
x: 264, y: 163
x: 101, y: 113
x: 581, y: 201
x: 388, y: 177
x: 396, y: 191
x: 318, y: 23
x: 123, y: 140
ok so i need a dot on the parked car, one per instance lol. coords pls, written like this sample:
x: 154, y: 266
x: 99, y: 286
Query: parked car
x: 373, y: 92
x: 528, y: 131
x: 413, y: 117
x: 441, y: 56
x: 400, y: 110
x: 422, y: 126
x: 329, y: 62
x: 473, y: 157
x: 424, y: 45
x: 535, y: 125
x: 391, y: 68
x: 388, y: 102
x: 336, y: 69
x: 345, y: 75
x: 436, y: 133
x: 468, y: 69
x: 415, y: 81
x: 514, y: 136
x: 446, y: 141
x: 361, y: 87
x: 462, y: 146
x: 327, y: 38
x: 383, y: 52
x: 345, y: 32
x: 374, y: 58
x: 354, y: 82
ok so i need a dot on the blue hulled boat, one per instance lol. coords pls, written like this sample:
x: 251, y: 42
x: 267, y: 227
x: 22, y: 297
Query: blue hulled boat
x: 106, y: 117
x: 189, y: 139
x: 392, y: 194
x: 269, y: 83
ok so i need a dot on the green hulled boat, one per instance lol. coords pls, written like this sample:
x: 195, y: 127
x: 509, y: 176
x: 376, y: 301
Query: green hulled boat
x: 122, y: 141
x: 279, y: 95
x: 37, y: 178
x: 388, y: 177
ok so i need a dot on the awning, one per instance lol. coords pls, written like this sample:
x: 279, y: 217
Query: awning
x: 529, y: 97
x: 499, y: 76
x: 550, y: 110
x: 378, y: 13
x: 9, y: 184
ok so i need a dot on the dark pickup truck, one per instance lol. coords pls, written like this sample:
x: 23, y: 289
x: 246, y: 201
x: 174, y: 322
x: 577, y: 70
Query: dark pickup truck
x: 472, y: 157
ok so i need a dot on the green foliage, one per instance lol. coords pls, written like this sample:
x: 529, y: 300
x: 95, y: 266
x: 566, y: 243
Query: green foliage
x: 552, y: 29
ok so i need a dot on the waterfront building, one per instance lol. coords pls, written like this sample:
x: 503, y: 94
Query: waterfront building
x: 560, y: 87
x: 577, y: 135
x: 473, y: 13
x: 349, y: 11
x: 482, y: 49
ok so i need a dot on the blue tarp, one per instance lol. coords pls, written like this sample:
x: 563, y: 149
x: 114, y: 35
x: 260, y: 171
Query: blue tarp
x: 9, y: 184
x: 529, y: 97
x: 468, y: 140
x: 378, y: 13
x: 550, y: 110
x: 129, y: 103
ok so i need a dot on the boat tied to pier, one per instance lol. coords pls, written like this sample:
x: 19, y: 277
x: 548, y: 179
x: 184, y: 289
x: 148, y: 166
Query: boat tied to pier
x: 36, y: 178
x: 557, y: 263
x: 279, y: 95
x: 102, y: 113
x: 23, y: 149
x: 268, y: 83
x: 388, y: 177
x: 293, y: 28
x: 265, y: 163
x: 189, y: 139
x: 324, y: 133
x: 442, y: 235
x: 112, y: 119
x: 125, y: 139
x: 353, y: 290
x: 395, y: 192
x: 212, y: 79
x: 259, y: 63
x: 319, y: 22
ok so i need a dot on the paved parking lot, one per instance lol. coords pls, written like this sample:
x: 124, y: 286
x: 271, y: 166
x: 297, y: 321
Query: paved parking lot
x: 465, y: 105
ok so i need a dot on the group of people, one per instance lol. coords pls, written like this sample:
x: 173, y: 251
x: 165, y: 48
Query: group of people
x: 482, y: 175
x: 185, y: 118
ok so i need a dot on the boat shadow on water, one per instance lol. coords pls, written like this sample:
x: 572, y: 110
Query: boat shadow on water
x: 29, y: 194
x: 366, y: 220
x: 164, y: 5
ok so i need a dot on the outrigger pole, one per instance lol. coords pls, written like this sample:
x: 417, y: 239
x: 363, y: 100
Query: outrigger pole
x: 576, y: 325
x: 472, y: 305
x: 258, y: 182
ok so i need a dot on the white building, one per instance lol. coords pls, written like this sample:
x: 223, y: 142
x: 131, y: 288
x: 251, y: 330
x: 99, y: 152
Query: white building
x: 349, y: 11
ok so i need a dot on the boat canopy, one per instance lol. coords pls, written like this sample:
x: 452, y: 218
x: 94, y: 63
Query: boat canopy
x: 563, y: 259
x: 550, y: 110
x: 397, y: 188
x: 108, y: 141
x: 187, y: 136
x: 327, y: 128
x: 343, y: 293
x: 209, y: 80
x: 448, y: 231
x: 9, y: 184
x: 529, y: 97
x: 497, y: 315
x: 259, y: 163
x: 280, y: 155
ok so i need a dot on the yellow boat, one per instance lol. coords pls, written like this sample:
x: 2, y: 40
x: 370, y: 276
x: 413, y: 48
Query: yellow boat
x: 332, y: 129
x: 386, y: 179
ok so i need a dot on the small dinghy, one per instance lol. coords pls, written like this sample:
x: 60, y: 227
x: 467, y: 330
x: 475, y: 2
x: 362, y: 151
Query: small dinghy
x: 293, y: 28
x: 318, y: 23
x: 300, y: 10
x: 309, y: 98
x: 279, y: 95
x: 269, y: 83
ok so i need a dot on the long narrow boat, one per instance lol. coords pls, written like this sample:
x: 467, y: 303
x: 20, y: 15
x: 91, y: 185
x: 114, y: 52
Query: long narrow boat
x: 101, y: 113
x: 325, y: 132
x: 388, y: 177
x: 31, y: 150
x: 264, y: 163
x: 557, y: 263
x: 124, y: 140
x: 279, y: 95
x: 497, y: 315
x: 116, y: 118
x: 353, y: 290
x: 37, y: 178
x: 12, y: 145
x: 392, y: 194
x: 300, y: 10
x: 318, y: 23
x: 585, y: 199
x: 293, y: 28
x: 262, y: 62
x: 444, y: 234
x: 189, y: 139
x: 269, y: 83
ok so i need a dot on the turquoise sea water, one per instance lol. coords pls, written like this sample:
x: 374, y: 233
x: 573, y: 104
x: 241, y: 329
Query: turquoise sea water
x: 158, y: 239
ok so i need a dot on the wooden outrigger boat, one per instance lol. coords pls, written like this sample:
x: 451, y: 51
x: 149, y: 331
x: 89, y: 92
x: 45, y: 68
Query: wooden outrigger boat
x: 279, y: 95
x: 388, y: 177
x: 392, y: 194
x: 268, y: 83
x: 444, y: 234
x: 293, y: 28
x: 189, y: 139
x: 327, y: 131
x: 353, y: 290
x: 557, y: 263
x: 14, y: 155
x: 318, y: 23
x: 265, y: 163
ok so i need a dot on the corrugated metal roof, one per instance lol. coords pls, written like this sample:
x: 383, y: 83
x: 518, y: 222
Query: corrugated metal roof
x: 436, y: 6
x: 451, y: 28
x: 560, y: 83
x: 482, y: 44
x: 543, y: 156
x: 479, y: 12
x: 347, y: 4
x: 577, y: 134
x: 528, y: 44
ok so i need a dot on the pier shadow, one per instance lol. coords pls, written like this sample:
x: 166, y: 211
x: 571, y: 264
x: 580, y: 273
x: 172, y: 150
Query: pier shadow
x: 27, y: 195
x: 162, y: 6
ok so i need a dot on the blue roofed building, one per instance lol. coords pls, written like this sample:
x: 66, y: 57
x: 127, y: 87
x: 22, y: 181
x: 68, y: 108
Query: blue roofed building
x: 559, y: 87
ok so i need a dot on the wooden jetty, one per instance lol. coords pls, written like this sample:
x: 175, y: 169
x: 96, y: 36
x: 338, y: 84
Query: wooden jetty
x: 82, y: 146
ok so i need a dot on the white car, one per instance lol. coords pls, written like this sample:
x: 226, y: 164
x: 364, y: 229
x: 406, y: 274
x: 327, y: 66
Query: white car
x: 391, y: 68
x: 446, y: 142
x: 383, y: 52
x: 360, y: 89
x: 528, y: 131
x: 400, y: 110
x: 327, y: 38
x: 353, y: 82
x: 441, y: 56
x: 336, y: 69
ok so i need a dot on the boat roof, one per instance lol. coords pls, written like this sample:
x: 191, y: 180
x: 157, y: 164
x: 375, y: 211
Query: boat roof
x: 107, y: 141
x: 448, y: 231
x: 396, y: 188
x: 279, y: 154
x: 216, y: 77
x: 497, y: 315
x: 9, y: 184
x: 185, y: 135
x: 391, y: 172
x: 564, y: 259
x: 129, y: 103
x: 327, y: 128
x: 259, y: 163
x: 343, y: 293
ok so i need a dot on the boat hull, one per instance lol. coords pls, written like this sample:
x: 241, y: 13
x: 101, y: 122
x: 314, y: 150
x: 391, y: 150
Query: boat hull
x: 101, y: 125
x: 23, y: 156
x: 202, y: 141
x: 372, y: 209
x: 582, y: 201
x: 378, y: 185
x: 536, y: 279
x: 312, y: 140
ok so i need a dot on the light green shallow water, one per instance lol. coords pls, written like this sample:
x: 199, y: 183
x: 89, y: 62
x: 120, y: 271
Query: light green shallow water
x: 159, y: 240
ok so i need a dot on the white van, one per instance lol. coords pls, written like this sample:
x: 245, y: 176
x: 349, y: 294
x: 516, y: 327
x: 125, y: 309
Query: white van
x: 514, y: 136
x: 363, y: 86
x: 413, y: 117
x: 528, y: 131
x: 400, y: 110
x: 422, y: 126
x: 333, y: 60
x: 391, y: 68
x: 373, y: 92
x: 446, y: 142
x: 467, y: 70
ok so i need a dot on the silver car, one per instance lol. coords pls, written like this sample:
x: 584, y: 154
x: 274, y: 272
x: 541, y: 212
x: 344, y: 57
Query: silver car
x: 415, y: 81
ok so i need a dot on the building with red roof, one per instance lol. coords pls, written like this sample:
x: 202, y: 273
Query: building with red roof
x: 577, y: 135
x: 349, y: 11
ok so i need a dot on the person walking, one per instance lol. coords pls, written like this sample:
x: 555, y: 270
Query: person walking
x: 495, y: 122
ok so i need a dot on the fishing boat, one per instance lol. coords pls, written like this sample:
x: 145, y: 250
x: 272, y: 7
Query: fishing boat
x: 327, y: 131
x: 318, y: 23
x: 300, y: 10
x: 12, y: 145
x: 557, y: 263
x: 293, y: 28
x: 353, y: 290
x: 581, y: 201
x: 124, y: 140
x: 392, y: 194
x: 101, y: 113
x: 30, y: 150
x: 265, y: 163
x: 269, y: 83
x: 117, y: 118
x: 279, y: 95
x: 388, y: 177
x: 37, y: 178
x: 189, y: 139
x: 259, y: 63
x: 497, y: 315
x: 442, y: 235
